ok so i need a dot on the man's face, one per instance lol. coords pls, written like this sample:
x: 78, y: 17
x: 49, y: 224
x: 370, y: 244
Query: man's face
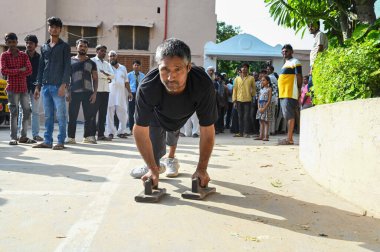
x: 244, y: 70
x: 82, y: 48
x: 113, y: 59
x: 312, y: 28
x: 136, y: 67
x: 12, y: 44
x: 210, y: 72
x: 269, y: 70
x: 256, y: 76
x: 54, y: 30
x: 101, y: 53
x: 287, y: 53
x: 30, y: 46
x: 173, y: 73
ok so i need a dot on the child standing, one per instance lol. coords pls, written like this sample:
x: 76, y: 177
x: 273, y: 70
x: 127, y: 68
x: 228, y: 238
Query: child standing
x: 264, y: 113
x: 305, y: 99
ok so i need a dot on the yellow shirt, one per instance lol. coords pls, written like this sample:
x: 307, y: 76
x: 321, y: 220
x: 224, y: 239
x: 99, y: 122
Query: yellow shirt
x: 244, y: 89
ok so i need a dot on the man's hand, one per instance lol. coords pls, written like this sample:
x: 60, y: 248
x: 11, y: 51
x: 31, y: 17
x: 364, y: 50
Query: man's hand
x: 235, y: 105
x: 36, y: 94
x: 203, y: 176
x: 153, y: 174
x: 130, y: 97
x: 68, y: 97
x: 61, y: 90
x: 93, y: 98
x: 22, y: 69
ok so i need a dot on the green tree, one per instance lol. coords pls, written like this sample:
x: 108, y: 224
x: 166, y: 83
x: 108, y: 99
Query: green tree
x: 224, y: 32
x: 340, y: 17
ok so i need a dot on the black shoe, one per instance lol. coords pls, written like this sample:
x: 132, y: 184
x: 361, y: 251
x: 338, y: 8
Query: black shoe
x: 195, y: 135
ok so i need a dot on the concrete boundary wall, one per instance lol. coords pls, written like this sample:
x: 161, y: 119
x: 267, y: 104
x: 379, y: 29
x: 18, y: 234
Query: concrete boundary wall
x: 340, y: 149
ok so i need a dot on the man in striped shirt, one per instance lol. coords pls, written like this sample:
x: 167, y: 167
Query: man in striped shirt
x: 289, y: 86
x: 15, y: 65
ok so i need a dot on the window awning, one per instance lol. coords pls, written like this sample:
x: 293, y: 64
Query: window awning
x: 144, y: 23
x: 82, y: 23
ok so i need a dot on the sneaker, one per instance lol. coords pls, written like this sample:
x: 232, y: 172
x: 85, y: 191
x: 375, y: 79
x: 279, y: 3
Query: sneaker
x: 141, y: 171
x: 172, y: 166
x: 238, y: 135
x: 89, y: 139
x: 70, y: 141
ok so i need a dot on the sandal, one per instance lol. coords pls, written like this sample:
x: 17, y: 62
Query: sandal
x: 285, y: 142
x: 26, y: 140
x: 13, y: 142
x: 58, y: 147
x: 265, y: 139
x: 258, y: 138
x: 42, y: 145
x: 122, y: 135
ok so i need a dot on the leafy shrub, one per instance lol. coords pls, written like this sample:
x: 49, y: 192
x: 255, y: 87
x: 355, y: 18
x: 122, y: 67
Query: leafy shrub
x: 349, y: 72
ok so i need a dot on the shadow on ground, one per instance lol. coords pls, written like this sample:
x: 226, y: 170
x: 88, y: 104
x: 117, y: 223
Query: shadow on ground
x: 295, y: 215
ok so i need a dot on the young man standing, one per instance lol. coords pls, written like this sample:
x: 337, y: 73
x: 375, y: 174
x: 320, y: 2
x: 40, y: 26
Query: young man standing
x: 135, y: 77
x: 15, y: 65
x: 243, y: 91
x: 320, y: 44
x: 31, y: 43
x: 166, y: 99
x: 53, y: 77
x: 289, y: 86
x: 82, y: 90
x: 105, y: 76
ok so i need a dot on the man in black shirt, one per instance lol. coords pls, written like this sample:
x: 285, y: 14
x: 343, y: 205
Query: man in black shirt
x: 167, y: 97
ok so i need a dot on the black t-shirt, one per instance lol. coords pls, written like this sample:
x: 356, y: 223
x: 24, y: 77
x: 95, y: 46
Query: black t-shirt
x: 156, y: 107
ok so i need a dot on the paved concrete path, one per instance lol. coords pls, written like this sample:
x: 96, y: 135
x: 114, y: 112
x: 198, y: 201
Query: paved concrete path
x: 82, y: 199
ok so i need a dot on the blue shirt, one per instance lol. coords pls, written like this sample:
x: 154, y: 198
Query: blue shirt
x: 132, y: 80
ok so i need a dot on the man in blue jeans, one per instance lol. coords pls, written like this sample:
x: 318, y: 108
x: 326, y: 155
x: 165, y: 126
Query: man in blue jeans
x: 54, y: 76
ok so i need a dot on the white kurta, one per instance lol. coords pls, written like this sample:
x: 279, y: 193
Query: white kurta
x: 117, y: 102
x: 118, y: 95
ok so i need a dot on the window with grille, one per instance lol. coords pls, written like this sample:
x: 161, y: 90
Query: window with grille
x: 88, y: 33
x: 134, y: 37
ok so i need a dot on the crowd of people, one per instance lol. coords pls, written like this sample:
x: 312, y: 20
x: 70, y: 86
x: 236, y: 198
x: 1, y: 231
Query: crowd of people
x: 176, y: 98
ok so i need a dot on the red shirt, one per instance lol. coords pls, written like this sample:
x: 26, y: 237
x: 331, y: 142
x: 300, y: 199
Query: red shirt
x: 10, y: 67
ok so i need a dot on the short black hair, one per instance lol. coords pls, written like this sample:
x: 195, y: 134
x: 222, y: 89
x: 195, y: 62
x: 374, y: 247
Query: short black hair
x: 82, y: 40
x: 315, y: 24
x: 32, y: 38
x: 271, y: 67
x: 136, y: 62
x: 244, y: 64
x: 10, y: 36
x: 173, y: 47
x: 54, y: 21
x: 287, y: 46
x: 98, y: 47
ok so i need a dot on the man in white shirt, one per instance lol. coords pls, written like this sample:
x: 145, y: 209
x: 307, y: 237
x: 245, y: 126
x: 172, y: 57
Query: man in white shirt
x: 105, y: 75
x: 117, y: 102
x: 320, y: 44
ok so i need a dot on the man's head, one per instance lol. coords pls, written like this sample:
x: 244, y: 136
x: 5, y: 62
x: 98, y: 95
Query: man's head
x: 270, y: 69
x: 287, y: 51
x: 54, y: 26
x: 211, y: 72
x: 101, y: 51
x: 112, y: 55
x: 11, y: 40
x: 255, y: 75
x: 82, y: 46
x: 136, y: 66
x: 173, y: 57
x: 314, y: 27
x: 31, y: 42
x: 244, y: 68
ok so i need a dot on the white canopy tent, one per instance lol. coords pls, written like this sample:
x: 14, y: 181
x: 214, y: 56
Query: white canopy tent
x: 242, y: 47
